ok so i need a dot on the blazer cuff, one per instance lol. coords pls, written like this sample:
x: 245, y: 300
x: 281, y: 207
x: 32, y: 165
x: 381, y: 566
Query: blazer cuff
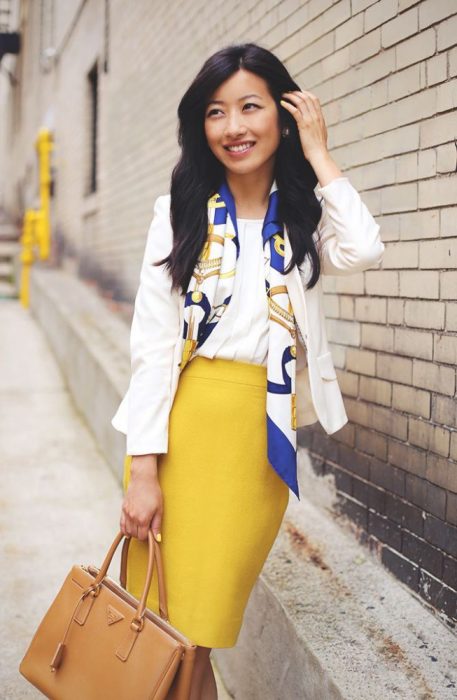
x: 332, y: 185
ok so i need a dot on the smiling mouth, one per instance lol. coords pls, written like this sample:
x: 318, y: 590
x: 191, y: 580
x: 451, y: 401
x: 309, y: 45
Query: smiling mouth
x: 241, y: 147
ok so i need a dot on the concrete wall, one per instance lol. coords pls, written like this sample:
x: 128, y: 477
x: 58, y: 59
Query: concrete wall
x: 386, y: 75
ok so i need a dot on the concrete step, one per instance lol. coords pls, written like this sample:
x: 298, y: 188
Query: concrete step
x: 8, y: 249
x: 7, y: 290
x: 6, y: 269
x: 9, y: 232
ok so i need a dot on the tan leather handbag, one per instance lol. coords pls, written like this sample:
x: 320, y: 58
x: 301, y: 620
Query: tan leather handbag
x: 98, y: 641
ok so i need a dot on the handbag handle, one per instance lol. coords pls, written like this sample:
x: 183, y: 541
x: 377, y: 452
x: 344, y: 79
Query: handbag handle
x: 154, y: 553
x: 163, y: 604
x: 94, y: 589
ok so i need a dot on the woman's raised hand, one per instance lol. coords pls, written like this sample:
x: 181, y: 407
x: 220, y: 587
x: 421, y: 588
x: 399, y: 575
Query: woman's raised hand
x: 142, y: 506
x: 307, y: 112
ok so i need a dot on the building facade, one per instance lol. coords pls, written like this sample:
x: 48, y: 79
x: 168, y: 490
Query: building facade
x: 106, y: 77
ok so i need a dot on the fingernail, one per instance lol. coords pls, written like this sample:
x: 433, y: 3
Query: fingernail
x: 158, y: 537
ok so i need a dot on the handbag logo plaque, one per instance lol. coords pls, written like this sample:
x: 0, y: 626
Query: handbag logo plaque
x: 113, y: 615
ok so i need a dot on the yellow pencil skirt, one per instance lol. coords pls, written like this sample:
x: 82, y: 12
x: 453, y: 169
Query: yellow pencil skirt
x: 223, y: 501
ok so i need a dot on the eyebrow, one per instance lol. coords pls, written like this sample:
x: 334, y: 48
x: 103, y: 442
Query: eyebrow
x: 221, y: 102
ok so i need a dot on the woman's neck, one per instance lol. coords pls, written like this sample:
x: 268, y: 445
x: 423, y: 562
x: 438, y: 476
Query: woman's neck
x: 251, y: 193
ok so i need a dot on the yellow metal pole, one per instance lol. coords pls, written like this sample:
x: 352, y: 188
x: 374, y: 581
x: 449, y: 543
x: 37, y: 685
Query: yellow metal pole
x: 36, y: 225
x: 27, y: 240
x: 44, y: 147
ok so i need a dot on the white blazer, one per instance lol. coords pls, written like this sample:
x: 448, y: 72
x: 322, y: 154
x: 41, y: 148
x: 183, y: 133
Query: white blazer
x: 349, y: 242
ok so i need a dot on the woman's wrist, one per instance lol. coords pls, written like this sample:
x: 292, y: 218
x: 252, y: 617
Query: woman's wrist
x: 324, y: 166
x: 144, y: 466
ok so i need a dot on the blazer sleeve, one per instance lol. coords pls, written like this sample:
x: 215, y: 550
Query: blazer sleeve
x: 347, y: 236
x: 154, y: 333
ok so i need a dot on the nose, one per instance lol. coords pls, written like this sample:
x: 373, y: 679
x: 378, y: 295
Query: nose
x: 234, y: 125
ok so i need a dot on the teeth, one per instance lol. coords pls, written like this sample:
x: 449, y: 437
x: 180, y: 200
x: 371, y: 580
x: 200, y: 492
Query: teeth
x: 242, y: 147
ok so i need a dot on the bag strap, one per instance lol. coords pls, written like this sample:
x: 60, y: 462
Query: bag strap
x: 154, y: 552
x: 93, y: 590
x: 163, y: 603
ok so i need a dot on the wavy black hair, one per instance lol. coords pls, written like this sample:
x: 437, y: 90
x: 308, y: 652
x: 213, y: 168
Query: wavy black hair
x: 198, y: 173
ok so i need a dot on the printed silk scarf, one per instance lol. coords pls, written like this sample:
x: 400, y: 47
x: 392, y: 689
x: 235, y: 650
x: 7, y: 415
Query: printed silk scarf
x: 208, y: 295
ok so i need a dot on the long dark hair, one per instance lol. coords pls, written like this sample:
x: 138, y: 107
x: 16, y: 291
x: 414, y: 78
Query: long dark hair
x: 198, y: 172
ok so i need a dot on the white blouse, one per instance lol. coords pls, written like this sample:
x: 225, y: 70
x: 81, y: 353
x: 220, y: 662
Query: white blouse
x: 242, y: 331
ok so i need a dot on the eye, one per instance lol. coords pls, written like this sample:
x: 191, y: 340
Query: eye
x: 212, y: 111
x: 251, y: 104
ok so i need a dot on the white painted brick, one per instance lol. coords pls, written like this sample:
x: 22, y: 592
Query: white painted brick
x: 431, y: 11
x: 395, y: 311
x: 446, y: 161
x: 359, y: 5
x: 399, y: 198
x: 390, y: 227
x: 350, y: 30
x: 404, y: 82
x: 288, y: 7
x: 446, y: 96
x: 347, y: 307
x: 436, y: 69
x: 395, y: 368
x: 410, y: 400
x: 377, y: 337
x: 401, y: 255
x: 371, y: 309
x: 375, y: 390
x: 331, y: 305
x: 437, y: 130
x: 452, y: 55
x: 424, y: 314
x: 439, y: 378
x: 361, y: 361
x: 429, y: 437
x: 347, y: 332
x: 382, y: 282
x: 445, y: 349
x: 451, y: 316
x: 438, y: 254
x: 417, y: 48
x: 379, y: 13
x: 448, y: 285
x: 404, y: 4
x: 335, y: 15
x: 426, y: 164
x: 400, y: 28
x: 419, y: 284
x: 420, y: 224
x: 413, y: 343
x: 439, y: 191
x: 350, y: 284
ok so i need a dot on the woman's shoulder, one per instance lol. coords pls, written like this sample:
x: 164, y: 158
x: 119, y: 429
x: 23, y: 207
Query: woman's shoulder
x: 162, y: 202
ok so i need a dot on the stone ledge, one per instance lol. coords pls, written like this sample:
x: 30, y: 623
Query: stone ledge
x: 325, y: 620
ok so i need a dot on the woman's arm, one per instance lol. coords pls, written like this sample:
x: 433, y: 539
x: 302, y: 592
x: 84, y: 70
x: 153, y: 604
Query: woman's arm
x: 154, y: 333
x: 347, y: 236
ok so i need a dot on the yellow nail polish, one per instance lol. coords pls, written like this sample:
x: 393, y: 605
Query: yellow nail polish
x: 158, y: 537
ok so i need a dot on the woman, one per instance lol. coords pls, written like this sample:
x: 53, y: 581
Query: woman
x: 210, y: 460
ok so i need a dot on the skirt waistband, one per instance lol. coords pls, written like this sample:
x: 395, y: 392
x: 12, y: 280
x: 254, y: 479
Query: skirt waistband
x: 226, y: 370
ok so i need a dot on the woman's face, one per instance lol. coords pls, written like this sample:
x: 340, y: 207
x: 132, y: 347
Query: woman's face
x: 242, y: 113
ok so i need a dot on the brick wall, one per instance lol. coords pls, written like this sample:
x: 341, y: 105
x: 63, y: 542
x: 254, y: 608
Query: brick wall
x: 386, y: 75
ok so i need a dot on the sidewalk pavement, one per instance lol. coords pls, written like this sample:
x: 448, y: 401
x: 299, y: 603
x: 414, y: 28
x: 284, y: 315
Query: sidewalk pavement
x: 60, y: 501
